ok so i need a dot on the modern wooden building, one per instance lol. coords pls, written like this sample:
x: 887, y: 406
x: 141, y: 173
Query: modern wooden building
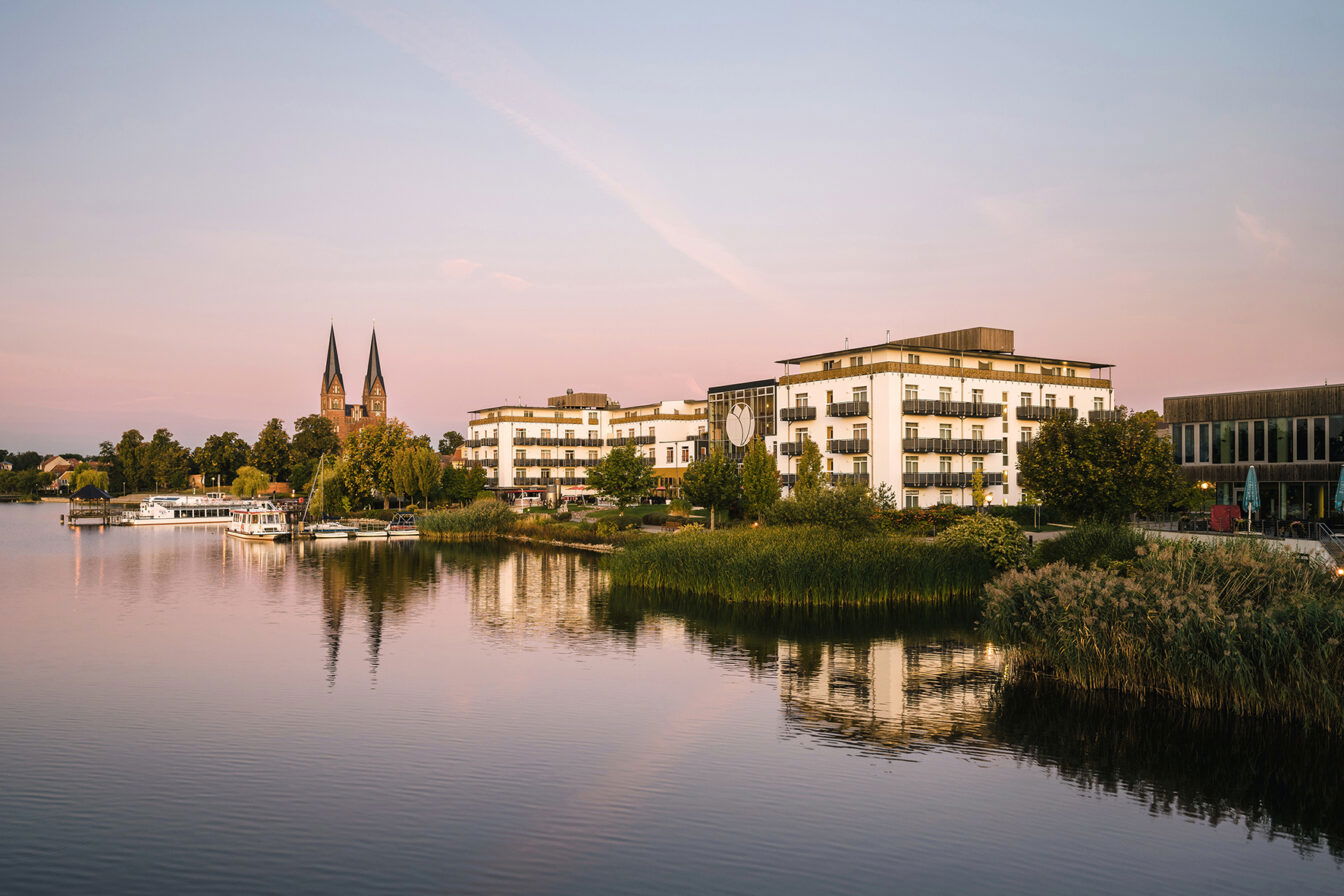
x: 1293, y: 437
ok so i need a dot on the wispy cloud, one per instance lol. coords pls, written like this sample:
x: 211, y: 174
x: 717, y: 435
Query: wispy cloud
x: 1253, y: 231
x: 459, y: 268
x: 500, y: 76
x: 466, y: 269
x: 509, y: 281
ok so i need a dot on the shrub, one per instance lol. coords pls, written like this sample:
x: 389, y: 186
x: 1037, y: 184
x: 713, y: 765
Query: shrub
x: 563, y: 516
x: 485, y: 517
x: 1234, y: 626
x: 923, y: 521
x: 849, y: 508
x: 998, y: 539
x: 656, y: 518
x: 801, y: 565
x: 1092, y: 542
x: 679, y: 507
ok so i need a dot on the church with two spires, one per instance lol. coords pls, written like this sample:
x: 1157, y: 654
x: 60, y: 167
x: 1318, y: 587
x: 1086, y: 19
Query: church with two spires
x: 350, y: 417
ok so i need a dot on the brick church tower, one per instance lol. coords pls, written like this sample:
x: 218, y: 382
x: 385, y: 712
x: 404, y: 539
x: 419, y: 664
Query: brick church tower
x: 350, y: 417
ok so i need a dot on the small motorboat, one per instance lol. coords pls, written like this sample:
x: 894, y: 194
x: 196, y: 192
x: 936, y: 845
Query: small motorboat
x: 403, y: 526
x: 331, y: 529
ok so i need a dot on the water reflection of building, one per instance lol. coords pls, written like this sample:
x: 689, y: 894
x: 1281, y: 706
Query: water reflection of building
x: 888, y: 693
x: 525, y: 593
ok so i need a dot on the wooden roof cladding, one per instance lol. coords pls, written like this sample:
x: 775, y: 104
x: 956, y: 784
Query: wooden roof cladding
x: 971, y: 339
x: 939, y: 370
x: 1303, y: 401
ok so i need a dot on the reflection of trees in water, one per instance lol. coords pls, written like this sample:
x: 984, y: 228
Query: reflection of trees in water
x: 382, y: 578
x: 1277, y: 779
x: 524, y: 593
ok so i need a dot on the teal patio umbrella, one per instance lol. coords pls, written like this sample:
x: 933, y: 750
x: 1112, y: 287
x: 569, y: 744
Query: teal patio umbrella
x: 1250, y: 495
x: 1339, y: 493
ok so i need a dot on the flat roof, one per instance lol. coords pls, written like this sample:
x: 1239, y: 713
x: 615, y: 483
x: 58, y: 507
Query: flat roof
x: 979, y: 353
x: 754, y: 384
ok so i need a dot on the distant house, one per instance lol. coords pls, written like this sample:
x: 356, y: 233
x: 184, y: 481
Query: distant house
x: 6, y: 466
x: 56, y: 465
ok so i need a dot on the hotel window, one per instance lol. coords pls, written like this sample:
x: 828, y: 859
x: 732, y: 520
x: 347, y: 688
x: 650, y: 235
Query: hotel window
x: 1049, y: 400
x: 856, y: 361
x: 685, y: 453
x: 1070, y: 372
x: 986, y: 365
x: 569, y: 457
x: 953, y: 362
x: 592, y: 419
x: 1070, y: 401
x: 520, y: 454
x: 977, y: 432
x: 830, y: 396
x: 944, y: 393
x: 944, y: 430
x: 1026, y: 433
x: 800, y: 400
x: 1005, y: 488
x: 569, y: 433
x: 830, y: 433
x: 1019, y: 368
x: 1098, y: 404
x: 912, y: 430
x: 559, y: 415
x: 1303, y: 446
x: 912, y: 359
x: 569, y: 474
x: 1005, y: 426
x: 592, y: 455
x: 911, y: 464
x: 1005, y: 460
x: 945, y: 496
x: 545, y: 455
x: 802, y: 434
x: 830, y: 465
x: 592, y: 433
x: 527, y: 413
x: 1318, y: 438
x: 861, y: 466
x: 829, y: 365
x: 545, y: 433
x: 1204, y: 442
x: 1024, y: 399
x: 978, y: 396
x: 1190, y: 441
x: 652, y: 458
x: 1336, y: 438
x: 860, y: 393
x: 545, y: 474
x: 912, y: 500
x: 671, y: 455
x: 652, y: 432
x: 912, y: 393
x: 860, y: 430
x: 945, y: 464
x: 520, y: 433
x: 977, y: 463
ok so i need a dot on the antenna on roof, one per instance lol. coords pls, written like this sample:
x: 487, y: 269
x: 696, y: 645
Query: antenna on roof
x: 846, y: 343
x: 888, y: 336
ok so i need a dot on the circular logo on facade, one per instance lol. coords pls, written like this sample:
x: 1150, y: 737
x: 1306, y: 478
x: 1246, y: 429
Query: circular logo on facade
x: 740, y: 425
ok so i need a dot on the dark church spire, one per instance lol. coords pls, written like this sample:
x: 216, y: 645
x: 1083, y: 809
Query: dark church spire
x: 331, y: 378
x: 374, y: 376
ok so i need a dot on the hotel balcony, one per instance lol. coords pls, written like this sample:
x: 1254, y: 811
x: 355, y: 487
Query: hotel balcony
x: 946, y: 480
x: 939, y: 408
x: 548, y: 480
x: 482, y: 443
x: 1114, y: 416
x: 952, y: 446
x: 637, y: 440
x: 1045, y: 412
x: 487, y: 461
x: 798, y: 412
x: 554, y: 462
x: 554, y: 440
x: 847, y: 446
x: 787, y: 480
x: 847, y: 409
x: 849, y: 478
x: 792, y: 449
x: 492, y: 483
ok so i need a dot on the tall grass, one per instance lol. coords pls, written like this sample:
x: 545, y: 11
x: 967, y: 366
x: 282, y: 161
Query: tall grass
x: 1230, y: 626
x: 806, y: 566
x: 1092, y: 543
x: 486, y: 518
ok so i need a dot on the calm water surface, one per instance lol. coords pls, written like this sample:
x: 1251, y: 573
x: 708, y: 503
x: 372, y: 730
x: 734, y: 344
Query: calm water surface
x: 184, y: 713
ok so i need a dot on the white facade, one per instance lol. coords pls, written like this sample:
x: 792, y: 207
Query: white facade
x: 920, y: 419
x: 551, y: 448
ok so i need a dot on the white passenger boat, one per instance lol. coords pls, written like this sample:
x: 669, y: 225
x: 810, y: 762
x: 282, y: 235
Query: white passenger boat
x: 177, y: 510
x: 403, y: 526
x: 370, y: 529
x: 261, y: 523
x: 331, y: 530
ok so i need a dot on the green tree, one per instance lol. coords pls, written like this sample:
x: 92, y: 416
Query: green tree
x: 249, y: 481
x: 978, y: 493
x: 809, y: 469
x: 415, y: 471
x: 366, y: 468
x: 167, y: 464
x: 314, y: 436
x: 712, y: 482
x: 87, y: 475
x: 131, y: 458
x: 1106, y: 470
x: 219, y: 455
x: 271, y: 451
x: 329, y: 500
x: 470, y: 483
x: 760, y: 479
x: 450, y: 442
x: 623, y: 476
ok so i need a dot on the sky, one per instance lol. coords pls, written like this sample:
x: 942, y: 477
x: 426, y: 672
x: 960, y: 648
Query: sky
x: 648, y: 199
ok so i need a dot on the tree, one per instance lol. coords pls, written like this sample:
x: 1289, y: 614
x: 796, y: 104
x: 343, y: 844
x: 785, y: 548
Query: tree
x: 415, y: 471
x: 131, y: 460
x: 623, y: 475
x: 809, y: 469
x: 86, y: 475
x: 166, y: 463
x: 220, y: 455
x: 978, y: 493
x: 366, y: 468
x: 760, y: 479
x: 470, y: 483
x: 249, y: 481
x: 1106, y: 470
x: 329, y: 500
x: 712, y: 482
x: 450, y: 442
x: 271, y: 451
x: 314, y: 436
x: 28, y: 460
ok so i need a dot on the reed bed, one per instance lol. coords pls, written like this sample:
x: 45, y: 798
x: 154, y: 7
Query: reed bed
x: 483, y: 519
x: 1233, y: 626
x: 1093, y: 543
x: 804, y: 566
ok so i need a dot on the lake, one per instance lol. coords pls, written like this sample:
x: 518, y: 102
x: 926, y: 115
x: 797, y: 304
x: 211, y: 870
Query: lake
x: 182, y: 712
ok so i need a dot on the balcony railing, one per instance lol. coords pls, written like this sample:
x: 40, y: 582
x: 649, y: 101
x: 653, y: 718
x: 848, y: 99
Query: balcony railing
x: 482, y: 443
x: 847, y: 446
x: 556, y: 440
x: 849, y: 478
x: 555, y: 462
x: 637, y: 440
x: 792, y: 449
x: 492, y: 483
x: 1114, y: 416
x: 953, y: 446
x: 940, y: 408
x: 488, y: 462
x: 947, y: 480
x: 798, y: 412
x: 847, y: 409
x: 1045, y: 412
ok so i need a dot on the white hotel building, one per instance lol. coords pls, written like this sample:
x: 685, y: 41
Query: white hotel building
x: 547, y: 450
x: 921, y: 415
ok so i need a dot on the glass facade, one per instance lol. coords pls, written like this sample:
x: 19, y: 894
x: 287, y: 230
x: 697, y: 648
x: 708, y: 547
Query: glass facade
x: 759, y: 397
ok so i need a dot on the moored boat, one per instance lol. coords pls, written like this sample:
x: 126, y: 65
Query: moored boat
x: 403, y: 526
x: 331, y: 530
x: 262, y: 523
x: 178, y: 510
